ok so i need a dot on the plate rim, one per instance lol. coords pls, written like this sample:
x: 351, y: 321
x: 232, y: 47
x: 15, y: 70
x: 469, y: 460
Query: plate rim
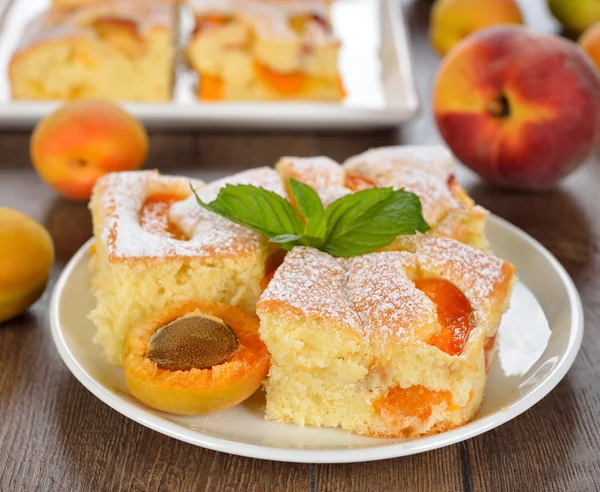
x: 311, y: 455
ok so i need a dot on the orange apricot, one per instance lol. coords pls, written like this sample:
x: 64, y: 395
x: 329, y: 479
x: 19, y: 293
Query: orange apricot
x: 195, y: 357
x: 26, y: 256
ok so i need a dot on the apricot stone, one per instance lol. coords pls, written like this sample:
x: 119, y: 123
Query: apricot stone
x: 190, y: 342
x: 26, y: 256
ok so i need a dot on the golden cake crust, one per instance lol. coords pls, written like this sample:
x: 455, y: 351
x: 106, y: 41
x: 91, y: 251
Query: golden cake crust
x: 54, y: 25
x: 375, y: 294
x: 119, y: 197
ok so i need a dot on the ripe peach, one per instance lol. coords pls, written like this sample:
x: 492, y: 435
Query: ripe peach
x: 452, y: 20
x: 26, y: 256
x: 590, y: 43
x: 519, y: 108
x: 83, y: 140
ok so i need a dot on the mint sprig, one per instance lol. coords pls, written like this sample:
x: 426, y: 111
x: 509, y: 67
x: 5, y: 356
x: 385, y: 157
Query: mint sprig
x: 353, y: 225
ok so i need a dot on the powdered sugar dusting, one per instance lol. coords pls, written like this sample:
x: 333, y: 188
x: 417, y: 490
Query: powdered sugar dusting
x: 375, y: 294
x: 217, y: 235
x: 321, y: 173
x: 120, y: 196
x: 480, y: 276
x: 431, y: 159
x: 270, y: 19
x: 311, y: 283
x: 423, y: 170
x: 62, y: 24
x: 388, y: 303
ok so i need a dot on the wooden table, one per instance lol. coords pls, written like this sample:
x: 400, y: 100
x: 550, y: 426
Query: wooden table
x: 54, y: 435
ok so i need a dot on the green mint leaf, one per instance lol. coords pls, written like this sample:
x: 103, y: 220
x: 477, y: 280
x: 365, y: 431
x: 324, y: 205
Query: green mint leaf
x: 371, y: 219
x: 256, y: 208
x: 285, y: 238
x: 356, y: 224
x: 310, y: 206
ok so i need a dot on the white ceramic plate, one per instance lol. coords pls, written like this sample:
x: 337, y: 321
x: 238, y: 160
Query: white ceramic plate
x: 374, y: 62
x: 539, y: 339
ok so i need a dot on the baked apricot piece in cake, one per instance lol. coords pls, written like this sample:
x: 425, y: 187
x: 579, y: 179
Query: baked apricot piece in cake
x: 265, y: 50
x: 387, y: 344
x: 426, y: 171
x: 111, y: 50
x: 195, y: 357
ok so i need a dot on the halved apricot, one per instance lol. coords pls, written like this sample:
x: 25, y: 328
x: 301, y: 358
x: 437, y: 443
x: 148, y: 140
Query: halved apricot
x: 358, y: 182
x: 195, y: 357
x: 287, y: 84
x: 454, y: 314
x: 416, y: 401
x: 210, y: 88
x: 273, y: 262
x: 154, y: 216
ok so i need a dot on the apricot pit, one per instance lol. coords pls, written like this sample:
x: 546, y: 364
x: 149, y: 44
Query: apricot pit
x: 193, y: 342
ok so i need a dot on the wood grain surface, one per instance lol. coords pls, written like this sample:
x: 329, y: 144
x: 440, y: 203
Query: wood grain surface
x: 56, y: 436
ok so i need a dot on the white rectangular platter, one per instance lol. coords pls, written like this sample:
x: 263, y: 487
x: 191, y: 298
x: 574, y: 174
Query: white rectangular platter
x: 374, y: 61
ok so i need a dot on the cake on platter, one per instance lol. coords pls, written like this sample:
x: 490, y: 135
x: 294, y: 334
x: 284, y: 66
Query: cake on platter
x: 117, y: 50
x: 265, y: 50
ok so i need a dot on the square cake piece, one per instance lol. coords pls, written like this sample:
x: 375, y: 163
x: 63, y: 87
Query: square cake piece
x: 112, y: 50
x: 426, y: 171
x: 154, y: 245
x: 390, y: 344
x: 265, y: 50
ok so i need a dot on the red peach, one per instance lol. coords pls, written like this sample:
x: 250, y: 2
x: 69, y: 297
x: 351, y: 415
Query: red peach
x: 521, y: 109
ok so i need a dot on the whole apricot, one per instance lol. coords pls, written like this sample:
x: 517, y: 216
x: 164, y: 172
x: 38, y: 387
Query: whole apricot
x: 26, y: 256
x: 453, y: 20
x: 590, y: 43
x: 83, y: 140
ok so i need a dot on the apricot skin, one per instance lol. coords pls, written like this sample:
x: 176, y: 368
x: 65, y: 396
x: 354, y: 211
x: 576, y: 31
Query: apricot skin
x: 26, y: 256
x: 83, y: 140
x: 590, y: 43
x: 196, y: 391
x: 453, y: 20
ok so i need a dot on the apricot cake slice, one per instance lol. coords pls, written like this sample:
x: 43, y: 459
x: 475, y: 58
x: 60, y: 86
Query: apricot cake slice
x: 112, y: 50
x: 387, y: 344
x: 265, y: 50
x: 154, y: 246
x: 426, y: 171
